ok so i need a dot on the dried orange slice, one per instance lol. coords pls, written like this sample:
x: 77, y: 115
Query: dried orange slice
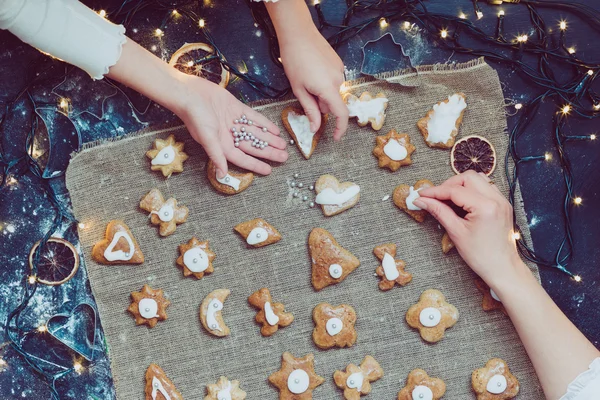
x: 58, y: 263
x: 473, y: 153
x: 201, y: 60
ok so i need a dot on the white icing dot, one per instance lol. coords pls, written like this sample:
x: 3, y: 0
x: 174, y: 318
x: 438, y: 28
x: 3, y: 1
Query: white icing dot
x: 334, y: 326
x: 422, y: 393
x: 430, y: 317
x: 335, y: 271
x: 148, y: 308
x: 497, y: 384
x: 298, y: 381
x: 257, y: 235
x: 195, y: 259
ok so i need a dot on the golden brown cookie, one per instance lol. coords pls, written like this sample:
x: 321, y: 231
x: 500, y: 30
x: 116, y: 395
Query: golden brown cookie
x: 440, y: 126
x: 335, y: 197
x: 494, y: 381
x: 158, y: 386
x: 432, y: 315
x: 393, y: 150
x: 270, y: 315
x: 167, y: 156
x: 298, y: 126
x: 148, y: 306
x: 331, y: 263
x: 390, y: 271
x: 296, y: 379
x: 447, y: 243
x: 490, y: 301
x: 419, y: 385
x: 334, y: 326
x: 166, y: 214
x: 196, y: 258
x: 232, y: 183
x: 367, y: 109
x: 258, y: 232
x: 210, y: 313
x: 356, y: 381
x: 118, y: 246
x: 404, y: 196
x: 225, y: 389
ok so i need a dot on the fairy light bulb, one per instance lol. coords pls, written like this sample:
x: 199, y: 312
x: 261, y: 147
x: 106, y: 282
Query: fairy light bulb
x: 316, y: 2
x: 577, y: 200
x: 444, y: 33
x: 64, y: 104
x: 383, y: 23
x: 563, y: 25
x: 571, y: 50
x: 201, y: 23
x: 577, y: 278
x: 501, y: 13
x: 32, y: 279
x: 566, y: 109
x: 3, y: 362
x: 593, y: 136
x: 406, y: 25
x: 522, y: 38
x: 190, y: 64
x: 518, y: 106
x: 479, y: 14
x: 42, y: 328
x: 597, y: 107
x: 548, y: 156
x: 516, y: 235
x: 78, y: 367
x: 81, y: 225
x: 175, y: 13
x: 590, y: 72
x: 158, y: 32
x: 462, y: 16
x: 102, y: 13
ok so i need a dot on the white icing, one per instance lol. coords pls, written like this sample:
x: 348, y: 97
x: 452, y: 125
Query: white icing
x: 422, y: 393
x: 364, y: 110
x: 394, y: 150
x: 334, y: 326
x: 328, y: 196
x: 257, y: 235
x: 494, y: 295
x: 355, y: 381
x: 412, y: 196
x: 148, y: 308
x: 300, y: 124
x: 196, y: 259
x: 230, y: 181
x: 225, y: 394
x: 166, y: 213
x: 298, y: 381
x: 430, y: 317
x: 443, y: 119
x: 213, y: 307
x: 158, y: 387
x: 497, y: 384
x: 165, y: 156
x: 335, y: 271
x: 389, y: 268
x: 270, y: 316
x: 119, y: 255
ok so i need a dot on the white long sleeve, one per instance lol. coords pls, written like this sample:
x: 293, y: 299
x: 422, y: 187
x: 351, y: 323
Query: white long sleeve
x: 587, y: 385
x: 65, y: 29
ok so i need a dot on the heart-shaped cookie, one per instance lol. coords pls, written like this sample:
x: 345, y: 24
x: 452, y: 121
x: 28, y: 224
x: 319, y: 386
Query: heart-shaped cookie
x: 118, y: 246
x: 335, y: 197
x: 298, y: 126
x: 232, y: 183
x: 331, y: 263
x: 404, y: 196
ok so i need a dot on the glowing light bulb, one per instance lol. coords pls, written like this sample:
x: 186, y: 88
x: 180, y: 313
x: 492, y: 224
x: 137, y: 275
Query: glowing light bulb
x: 279, y: 58
x: 501, y: 13
x: 190, y: 64
x: 201, y: 23
x: 78, y: 367
x: 64, y: 104
x: 593, y: 136
x: 316, y: 2
x: 577, y: 200
x: 590, y: 72
x: 406, y: 25
x: 577, y: 278
x: 32, y: 279
x: 566, y: 109
x: 548, y: 156
x: 562, y: 25
x: 462, y: 16
x: 102, y: 13
x: 158, y: 32
x: 597, y: 107
x: 383, y: 23
x: 479, y: 14
x: 522, y: 38
x: 12, y: 180
x: 3, y: 362
x: 81, y: 225
x: 516, y: 235
x: 42, y: 328
x: 571, y: 50
x: 175, y: 13
x: 444, y: 33
x: 518, y: 106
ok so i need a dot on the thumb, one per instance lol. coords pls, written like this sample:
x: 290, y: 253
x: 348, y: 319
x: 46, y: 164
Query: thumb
x: 311, y: 108
x: 215, y: 153
x: 440, y: 211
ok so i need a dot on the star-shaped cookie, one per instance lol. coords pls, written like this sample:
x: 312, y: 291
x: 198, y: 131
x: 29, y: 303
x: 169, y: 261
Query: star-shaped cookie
x: 390, y: 271
x: 331, y: 263
x: 404, y: 196
x: 432, y: 315
x: 166, y: 214
x: 334, y: 326
x: 490, y: 301
x: 118, y: 246
x: 270, y: 315
x: 167, y: 156
x: 195, y: 258
x: 419, y: 385
x: 225, y: 389
x: 148, y: 306
x: 494, y: 381
x: 356, y: 381
x: 393, y: 150
x: 159, y: 386
x: 296, y: 379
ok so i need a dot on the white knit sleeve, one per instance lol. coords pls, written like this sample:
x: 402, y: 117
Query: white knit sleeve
x: 65, y: 29
x: 587, y: 385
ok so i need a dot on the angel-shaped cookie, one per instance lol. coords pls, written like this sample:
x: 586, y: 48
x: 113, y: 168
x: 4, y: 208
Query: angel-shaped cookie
x: 335, y: 197
x: 118, y: 246
x: 159, y: 386
x: 270, y: 315
x: 356, y: 381
x: 166, y: 214
x: 421, y: 386
x: 296, y: 379
x: 494, y: 381
x: 331, y: 263
x: 258, y: 232
x: 210, y: 313
x: 393, y: 150
x: 367, y: 109
x: 390, y: 271
x: 148, y: 306
x: 232, y: 183
x: 196, y: 258
x: 490, y: 301
x: 440, y: 126
x: 167, y: 156
x: 432, y: 315
x: 334, y: 326
x: 404, y: 196
x: 225, y: 389
x: 298, y: 126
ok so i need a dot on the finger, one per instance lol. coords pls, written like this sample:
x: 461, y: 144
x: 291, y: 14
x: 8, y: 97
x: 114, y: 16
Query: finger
x: 459, y: 195
x: 472, y: 180
x: 310, y: 106
x: 268, y: 153
x: 324, y: 107
x: 262, y: 121
x: 440, y: 211
x: 243, y: 160
x: 215, y: 153
x: 338, y: 108
x: 268, y: 137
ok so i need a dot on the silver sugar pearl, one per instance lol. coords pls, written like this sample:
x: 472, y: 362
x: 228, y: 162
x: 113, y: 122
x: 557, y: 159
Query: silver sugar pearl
x: 250, y: 122
x: 296, y: 176
x: 258, y: 235
x: 243, y: 129
x: 296, y: 194
x: 264, y: 128
x: 237, y: 144
x: 499, y: 384
x: 293, y: 184
x: 421, y: 395
x: 232, y: 129
x: 335, y: 326
x: 431, y: 316
x: 300, y: 185
x: 351, y: 382
x: 195, y: 260
x: 311, y: 187
x: 147, y: 309
x: 243, y: 116
x: 246, y: 137
x: 215, y: 305
x: 266, y: 143
x: 156, y: 384
x: 304, y: 198
x: 296, y: 380
x: 236, y: 134
x: 291, y: 141
x: 227, y: 179
x: 236, y: 121
x: 237, y: 139
x: 214, y: 326
x: 166, y: 155
x: 311, y: 204
x: 262, y: 146
x: 336, y: 271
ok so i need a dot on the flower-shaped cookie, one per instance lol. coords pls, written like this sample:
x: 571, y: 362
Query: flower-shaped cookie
x: 118, y: 246
x: 490, y: 301
x: 440, y: 126
x: 167, y: 156
x: 232, y: 183
x: 393, y: 150
x: 148, y: 306
x: 432, y: 315
x: 334, y: 326
x: 356, y: 381
x: 158, y: 383
x: 404, y: 196
x: 335, y: 197
x: 270, y: 315
x: 390, y: 271
x: 210, y: 313
x: 447, y: 243
x: 166, y: 214
x: 421, y: 386
x: 494, y: 381
x: 296, y: 379
x: 195, y: 258
x: 367, y: 109
x: 258, y: 232
x: 331, y: 263
x: 225, y: 389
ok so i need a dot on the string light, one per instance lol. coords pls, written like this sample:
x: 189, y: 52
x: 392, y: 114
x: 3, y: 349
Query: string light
x: 81, y: 225
x: 383, y: 23
x: 190, y: 64
x: 406, y: 25
x: 577, y: 200
x: 462, y: 15
x: 577, y: 278
x: 444, y: 33
x: 479, y: 14
x: 12, y: 181
x: 158, y: 32
x: 102, y: 13
x: 175, y: 13
x: 316, y: 2
x: 500, y: 13
x: 562, y: 25
x: 42, y: 328
x: 78, y: 367
x: 32, y: 279
x: 518, y: 106
x: 548, y: 156
x: 597, y: 107
x: 593, y: 136
x: 516, y: 235
x: 522, y: 38
x: 64, y: 104
x: 201, y: 23
x: 571, y: 50
x: 566, y: 109
x: 590, y: 72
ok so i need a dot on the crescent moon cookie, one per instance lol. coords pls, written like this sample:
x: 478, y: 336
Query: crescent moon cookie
x: 490, y: 301
x: 118, y: 246
x: 356, y: 381
x: 432, y: 315
x: 331, y: 263
x: 167, y: 156
x: 159, y: 386
x: 404, y: 196
x: 367, y: 109
x: 334, y: 326
x: 232, y: 183
x: 166, y: 214
x: 225, y: 389
x: 494, y: 381
x: 335, y: 197
x: 393, y: 150
x: 258, y: 232
x: 296, y: 379
x: 195, y: 258
x: 210, y: 313
x: 420, y: 386
x: 391, y: 271
x: 440, y: 126
x: 271, y: 315
x: 148, y: 306
x: 298, y: 126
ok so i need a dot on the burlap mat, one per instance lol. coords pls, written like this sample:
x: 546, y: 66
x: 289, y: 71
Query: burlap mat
x: 107, y: 181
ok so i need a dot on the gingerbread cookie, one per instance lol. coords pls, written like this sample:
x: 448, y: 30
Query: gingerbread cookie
x: 225, y: 389
x: 393, y: 150
x: 296, y: 379
x: 490, y: 301
x: 232, y: 183
x: 298, y: 126
x: 356, y: 381
x: 420, y: 386
x: 118, y: 246
x: 494, y: 381
x: 331, y: 263
x: 158, y: 386
x: 447, y: 243
x: 196, y: 258
x: 210, y: 313
x: 367, y: 109
x: 335, y: 197
x: 258, y: 232
x: 390, y: 271
x: 167, y: 156
x: 440, y: 126
x: 404, y: 196
x: 166, y: 214
x: 432, y: 315
x: 334, y: 326
x: 270, y: 315
x: 148, y: 306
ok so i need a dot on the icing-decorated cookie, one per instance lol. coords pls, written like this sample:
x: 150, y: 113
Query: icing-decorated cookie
x: 166, y: 214
x: 158, y: 386
x: 367, y: 109
x: 118, y: 246
x: 167, y: 156
x: 335, y: 197
x: 447, y: 243
x: 432, y: 315
x: 440, y: 126
x: 490, y: 301
x: 210, y: 313
x: 331, y: 263
x: 494, y: 381
x: 225, y: 389
x: 393, y: 150
x: 334, y: 326
x: 420, y: 386
x: 195, y: 258
x: 404, y: 196
x: 296, y: 379
x: 356, y: 381
x: 232, y: 183
x: 298, y: 126
x: 148, y: 306
x: 391, y: 271
x: 258, y: 232
x: 270, y: 315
